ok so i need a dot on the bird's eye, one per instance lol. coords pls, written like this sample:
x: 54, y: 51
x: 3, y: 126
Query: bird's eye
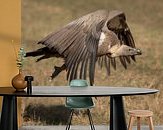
x: 130, y: 49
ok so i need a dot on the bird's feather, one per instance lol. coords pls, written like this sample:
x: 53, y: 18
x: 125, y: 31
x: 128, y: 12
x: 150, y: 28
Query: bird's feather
x: 107, y: 64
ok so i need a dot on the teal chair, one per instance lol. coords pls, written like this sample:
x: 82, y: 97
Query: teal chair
x: 79, y: 103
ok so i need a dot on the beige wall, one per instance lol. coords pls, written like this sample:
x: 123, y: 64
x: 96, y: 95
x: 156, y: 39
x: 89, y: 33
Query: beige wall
x: 10, y: 29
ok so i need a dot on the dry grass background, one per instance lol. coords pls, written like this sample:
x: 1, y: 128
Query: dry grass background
x: 145, y: 18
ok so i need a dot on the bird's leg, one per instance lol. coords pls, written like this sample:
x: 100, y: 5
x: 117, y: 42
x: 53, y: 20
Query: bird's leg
x: 57, y: 70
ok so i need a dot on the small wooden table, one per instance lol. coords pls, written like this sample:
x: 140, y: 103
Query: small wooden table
x: 117, y: 116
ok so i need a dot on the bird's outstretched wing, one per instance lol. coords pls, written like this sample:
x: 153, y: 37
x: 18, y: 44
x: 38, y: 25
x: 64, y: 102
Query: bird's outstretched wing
x: 78, y: 43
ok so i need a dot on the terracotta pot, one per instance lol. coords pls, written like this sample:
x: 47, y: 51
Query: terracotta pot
x: 18, y: 82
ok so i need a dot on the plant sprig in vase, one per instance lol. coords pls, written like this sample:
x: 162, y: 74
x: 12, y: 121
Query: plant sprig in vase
x: 20, y: 59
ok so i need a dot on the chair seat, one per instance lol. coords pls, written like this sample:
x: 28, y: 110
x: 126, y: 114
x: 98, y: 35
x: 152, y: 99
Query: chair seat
x: 141, y: 113
x: 79, y: 102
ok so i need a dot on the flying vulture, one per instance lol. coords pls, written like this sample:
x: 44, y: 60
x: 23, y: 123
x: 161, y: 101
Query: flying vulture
x: 100, y: 36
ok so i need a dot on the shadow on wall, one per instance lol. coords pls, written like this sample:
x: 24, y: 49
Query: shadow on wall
x: 49, y: 115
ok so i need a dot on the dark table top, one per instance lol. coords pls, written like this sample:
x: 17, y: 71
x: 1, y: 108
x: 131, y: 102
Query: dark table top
x: 64, y: 91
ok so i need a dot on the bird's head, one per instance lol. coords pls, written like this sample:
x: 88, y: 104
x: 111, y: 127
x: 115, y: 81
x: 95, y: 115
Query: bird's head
x: 124, y: 50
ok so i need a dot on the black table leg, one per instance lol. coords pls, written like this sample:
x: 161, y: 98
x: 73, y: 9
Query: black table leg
x: 117, y: 115
x: 9, y: 113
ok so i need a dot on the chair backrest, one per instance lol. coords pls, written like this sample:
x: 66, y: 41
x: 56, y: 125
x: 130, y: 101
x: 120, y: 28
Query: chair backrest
x: 79, y: 102
x: 78, y: 83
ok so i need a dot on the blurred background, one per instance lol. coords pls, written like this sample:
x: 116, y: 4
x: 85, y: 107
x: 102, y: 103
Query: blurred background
x: 145, y: 19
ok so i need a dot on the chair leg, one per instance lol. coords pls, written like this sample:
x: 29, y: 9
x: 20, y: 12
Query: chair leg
x: 69, y: 120
x: 90, y: 119
x: 130, y: 123
x: 138, y: 123
x: 151, y: 123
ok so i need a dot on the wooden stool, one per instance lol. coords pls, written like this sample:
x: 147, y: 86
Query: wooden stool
x: 139, y: 114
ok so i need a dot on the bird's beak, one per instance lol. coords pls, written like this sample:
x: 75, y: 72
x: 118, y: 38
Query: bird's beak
x: 139, y: 52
